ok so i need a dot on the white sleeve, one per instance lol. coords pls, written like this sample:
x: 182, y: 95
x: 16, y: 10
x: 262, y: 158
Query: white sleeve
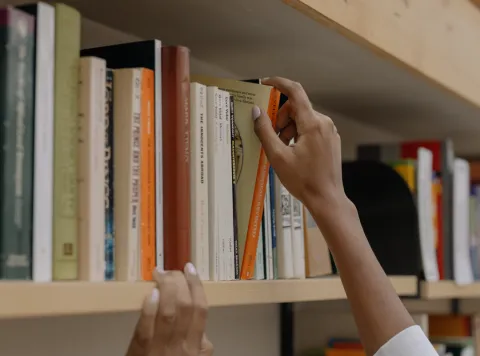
x: 410, y: 342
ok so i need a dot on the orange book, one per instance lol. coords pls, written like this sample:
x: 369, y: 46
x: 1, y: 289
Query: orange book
x: 344, y: 352
x: 449, y: 326
x: 147, y: 176
x: 256, y: 212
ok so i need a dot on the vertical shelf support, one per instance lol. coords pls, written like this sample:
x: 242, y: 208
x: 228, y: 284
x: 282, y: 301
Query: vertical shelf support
x: 286, y: 329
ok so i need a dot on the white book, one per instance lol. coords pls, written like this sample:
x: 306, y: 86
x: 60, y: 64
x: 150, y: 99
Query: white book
x: 91, y: 168
x: 260, y: 257
x: 199, y: 180
x: 462, y: 266
x: 127, y: 93
x: 213, y: 97
x: 298, y: 239
x: 268, y: 234
x: 425, y: 214
x: 43, y: 143
x: 158, y: 156
x: 221, y: 186
x: 283, y: 224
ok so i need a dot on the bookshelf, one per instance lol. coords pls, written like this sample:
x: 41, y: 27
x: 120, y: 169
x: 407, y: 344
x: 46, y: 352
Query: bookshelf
x: 448, y: 290
x: 22, y: 299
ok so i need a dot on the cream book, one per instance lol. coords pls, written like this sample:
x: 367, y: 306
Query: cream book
x: 127, y: 93
x: 91, y: 169
x: 317, y: 255
x: 283, y: 224
x: 251, y: 163
x: 298, y: 246
x: 199, y: 180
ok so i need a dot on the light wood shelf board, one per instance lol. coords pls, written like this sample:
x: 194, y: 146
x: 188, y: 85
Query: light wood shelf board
x: 449, y: 290
x: 28, y: 299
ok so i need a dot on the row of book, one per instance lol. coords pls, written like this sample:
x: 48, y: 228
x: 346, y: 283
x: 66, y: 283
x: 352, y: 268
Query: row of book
x: 451, y: 335
x: 115, y: 161
x: 447, y: 204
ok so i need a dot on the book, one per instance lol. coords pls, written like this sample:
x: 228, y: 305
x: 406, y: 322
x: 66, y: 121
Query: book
x: 233, y: 129
x: 91, y: 169
x: 284, y: 231
x: 199, y: 180
x: 65, y: 191
x: 109, y: 179
x: 44, y: 67
x: 251, y: 163
x: 176, y: 164
x: 147, y: 176
x: 143, y: 54
x: 126, y: 189
x: 16, y: 142
x: 317, y: 255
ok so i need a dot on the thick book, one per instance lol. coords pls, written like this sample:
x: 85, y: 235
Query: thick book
x: 44, y: 67
x: 442, y: 165
x: 91, y: 169
x: 17, y: 31
x: 143, y: 54
x: 251, y: 162
x: 176, y: 163
x: 65, y: 191
x: 109, y: 179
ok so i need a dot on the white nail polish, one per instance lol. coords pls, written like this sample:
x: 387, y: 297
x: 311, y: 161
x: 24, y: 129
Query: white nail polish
x: 190, y: 268
x: 151, y: 304
x: 160, y: 270
x: 256, y: 112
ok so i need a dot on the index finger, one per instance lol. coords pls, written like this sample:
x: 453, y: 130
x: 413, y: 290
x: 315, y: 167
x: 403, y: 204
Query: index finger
x: 294, y: 90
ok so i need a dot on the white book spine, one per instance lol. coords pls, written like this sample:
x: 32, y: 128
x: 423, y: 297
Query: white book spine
x: 284, y: 231
x: 425, y: 214
x: 213, y: 208
x: 221, y: 180
x: 228, y: 191
x: 158, y: 156
x: 298, y: 241
x: 91, y: 169
x: 260, y: 258
x: 462, y: 266
x: 127, y: 109
x: 43, y: 159
x: 199, y: 180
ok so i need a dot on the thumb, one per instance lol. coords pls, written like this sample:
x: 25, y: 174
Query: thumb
x: 271, y: 143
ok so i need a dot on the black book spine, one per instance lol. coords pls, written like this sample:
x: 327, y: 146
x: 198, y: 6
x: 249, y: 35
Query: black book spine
x: 234, y: 189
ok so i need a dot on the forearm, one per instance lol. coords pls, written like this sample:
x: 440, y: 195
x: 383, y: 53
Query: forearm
x: 378, y: 311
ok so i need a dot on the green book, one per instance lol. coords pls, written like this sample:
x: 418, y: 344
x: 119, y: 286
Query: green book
x: 67, y: 57
x: 16, y: 143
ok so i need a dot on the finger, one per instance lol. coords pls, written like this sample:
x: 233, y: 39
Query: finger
x: 166, y: 314
x: 200, y: 310
x: 273, y: 146
x: 284, y: 116
x: 288, y: 133
x: 207, y: 347
x: 184, y: 309
x: 294, y: 90
x: 143, y: 334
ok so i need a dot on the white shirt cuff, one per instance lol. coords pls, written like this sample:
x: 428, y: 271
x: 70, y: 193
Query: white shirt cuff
x: 409, y: 342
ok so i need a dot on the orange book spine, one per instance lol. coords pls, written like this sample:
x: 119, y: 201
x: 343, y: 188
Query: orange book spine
x: 147, y: 176
x: 256, y: 211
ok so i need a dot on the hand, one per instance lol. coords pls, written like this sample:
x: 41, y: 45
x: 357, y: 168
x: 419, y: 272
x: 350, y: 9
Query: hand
x: 173, y: 317
x: 311, y: 169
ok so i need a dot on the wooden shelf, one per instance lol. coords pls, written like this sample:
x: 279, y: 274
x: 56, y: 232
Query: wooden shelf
x: 409, y: 67
x: 26, y: 299
x: 449, y: 290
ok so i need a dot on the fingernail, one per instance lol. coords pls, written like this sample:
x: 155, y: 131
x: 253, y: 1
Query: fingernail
x: 256, y: 112
x: 264, y: 79
x: 151, y: 304
x: 190, y: 268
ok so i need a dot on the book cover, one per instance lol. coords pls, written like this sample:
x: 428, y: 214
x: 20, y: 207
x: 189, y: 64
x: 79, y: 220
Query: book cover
x: 233, y: 129
x: 16, y: 142
x: 251, y: 163
x: 176, y: 164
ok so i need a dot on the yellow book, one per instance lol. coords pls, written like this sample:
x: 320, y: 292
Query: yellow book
x: 65, y: 197
x: 406, y: 168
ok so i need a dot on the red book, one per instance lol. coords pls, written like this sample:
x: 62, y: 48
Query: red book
x: 176, y: 156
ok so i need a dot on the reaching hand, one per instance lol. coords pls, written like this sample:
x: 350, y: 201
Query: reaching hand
x: 311, y: 169
x: 173, y: 317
